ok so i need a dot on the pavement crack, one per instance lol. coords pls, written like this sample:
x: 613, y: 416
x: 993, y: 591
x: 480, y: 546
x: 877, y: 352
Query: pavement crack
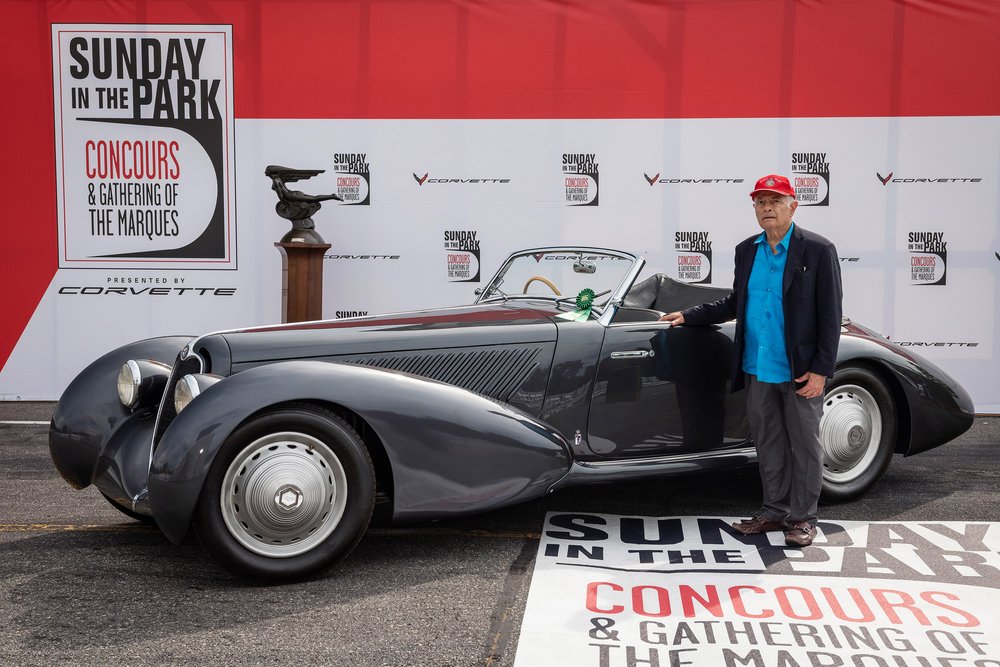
x: 502, y: 619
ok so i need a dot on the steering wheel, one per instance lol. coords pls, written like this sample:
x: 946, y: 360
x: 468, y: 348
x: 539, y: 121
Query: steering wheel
x: 544, y: 280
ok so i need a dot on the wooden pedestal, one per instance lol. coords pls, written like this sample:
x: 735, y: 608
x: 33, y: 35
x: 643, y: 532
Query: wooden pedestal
x: 301, y: 280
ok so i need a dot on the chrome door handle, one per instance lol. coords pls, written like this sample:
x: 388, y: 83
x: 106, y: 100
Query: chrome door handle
x: 634, y: 354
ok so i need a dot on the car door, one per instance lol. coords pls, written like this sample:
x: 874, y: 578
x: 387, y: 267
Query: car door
x: 664, y: 390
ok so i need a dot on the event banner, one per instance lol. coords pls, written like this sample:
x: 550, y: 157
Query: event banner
x: 144, y: 146
x: 663, y: 591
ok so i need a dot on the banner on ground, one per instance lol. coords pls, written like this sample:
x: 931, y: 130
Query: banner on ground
x: 662, y: 591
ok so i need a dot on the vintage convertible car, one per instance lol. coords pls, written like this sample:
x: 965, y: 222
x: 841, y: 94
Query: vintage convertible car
x: 278, y: 443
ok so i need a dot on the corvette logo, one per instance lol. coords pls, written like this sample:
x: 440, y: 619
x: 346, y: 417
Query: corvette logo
x: 947, y: 179
x: 459, y: 181
x: 653, y: 180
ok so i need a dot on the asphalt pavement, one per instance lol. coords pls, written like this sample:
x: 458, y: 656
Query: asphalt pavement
x: 83, y: 584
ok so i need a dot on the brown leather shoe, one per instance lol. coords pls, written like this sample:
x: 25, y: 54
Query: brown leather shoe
x: 759, y: 524
x: 801, y: 534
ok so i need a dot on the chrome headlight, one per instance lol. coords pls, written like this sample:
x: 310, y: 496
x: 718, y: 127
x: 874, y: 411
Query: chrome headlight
x: 190, y: 387
x: 185, y: 392
x: 141, y: 382
x: 129, y: 381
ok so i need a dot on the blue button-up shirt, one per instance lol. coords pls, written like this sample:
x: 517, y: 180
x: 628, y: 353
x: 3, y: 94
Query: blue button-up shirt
x: 764, y: 353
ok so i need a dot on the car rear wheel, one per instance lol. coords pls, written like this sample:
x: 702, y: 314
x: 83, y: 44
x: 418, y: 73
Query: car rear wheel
x: 290, y: 493
x: 857, y: 432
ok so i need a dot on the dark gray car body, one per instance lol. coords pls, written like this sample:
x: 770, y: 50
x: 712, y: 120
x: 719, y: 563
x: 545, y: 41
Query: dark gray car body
x: 463, y: 409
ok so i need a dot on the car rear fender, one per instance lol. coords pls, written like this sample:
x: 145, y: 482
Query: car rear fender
x: 452, y: 452
x: 937, y: 408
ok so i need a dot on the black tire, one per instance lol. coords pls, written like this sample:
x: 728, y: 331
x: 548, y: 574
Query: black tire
x: 127, y: 511
x: 857, y: 431
x: 299, y: 493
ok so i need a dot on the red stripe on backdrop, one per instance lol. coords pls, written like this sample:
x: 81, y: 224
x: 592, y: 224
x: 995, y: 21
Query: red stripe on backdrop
x: 514, y: 59
x: 28, y: 250
x: 533, y: 59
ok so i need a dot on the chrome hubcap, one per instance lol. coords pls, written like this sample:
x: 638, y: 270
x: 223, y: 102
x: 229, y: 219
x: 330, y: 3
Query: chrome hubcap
x: 284, y: 494
x: 850, y: 432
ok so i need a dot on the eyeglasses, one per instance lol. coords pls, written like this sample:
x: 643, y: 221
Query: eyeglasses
x: 763, y: 202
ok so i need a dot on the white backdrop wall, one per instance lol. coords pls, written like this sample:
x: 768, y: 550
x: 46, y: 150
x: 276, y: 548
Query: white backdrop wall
x: 458, y: 133
x: 391, y: 254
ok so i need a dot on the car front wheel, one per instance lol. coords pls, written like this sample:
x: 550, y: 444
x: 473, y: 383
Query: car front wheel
x: 857, y: 432
x: 290, y: 493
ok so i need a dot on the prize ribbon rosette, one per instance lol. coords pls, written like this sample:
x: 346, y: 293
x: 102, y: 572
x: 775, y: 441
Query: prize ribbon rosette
x: 584, y: 302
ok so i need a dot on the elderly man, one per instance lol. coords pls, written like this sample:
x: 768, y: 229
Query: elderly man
x: 786, y: 299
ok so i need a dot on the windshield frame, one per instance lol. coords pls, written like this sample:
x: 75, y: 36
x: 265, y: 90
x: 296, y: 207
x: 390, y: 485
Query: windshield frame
x: 605, y: 313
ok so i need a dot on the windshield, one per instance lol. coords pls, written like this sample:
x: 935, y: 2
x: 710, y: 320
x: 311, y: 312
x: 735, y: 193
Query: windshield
x: 562, y: 273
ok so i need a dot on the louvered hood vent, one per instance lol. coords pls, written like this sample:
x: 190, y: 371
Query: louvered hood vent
x: 496, y: 372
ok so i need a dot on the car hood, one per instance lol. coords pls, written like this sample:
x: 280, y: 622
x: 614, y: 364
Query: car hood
x: 445, y: 328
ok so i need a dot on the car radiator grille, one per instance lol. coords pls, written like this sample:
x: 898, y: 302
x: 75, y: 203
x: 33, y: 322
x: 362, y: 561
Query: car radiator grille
x: 167, y: 413
x: 495, y: 372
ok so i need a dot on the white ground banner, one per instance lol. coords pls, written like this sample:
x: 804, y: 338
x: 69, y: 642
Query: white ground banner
x: 666, y: 591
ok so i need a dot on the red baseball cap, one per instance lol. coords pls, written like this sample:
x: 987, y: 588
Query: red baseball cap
x: 773, y: 183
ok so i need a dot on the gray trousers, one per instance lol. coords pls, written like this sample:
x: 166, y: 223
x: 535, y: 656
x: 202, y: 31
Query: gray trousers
x: 785, y: 429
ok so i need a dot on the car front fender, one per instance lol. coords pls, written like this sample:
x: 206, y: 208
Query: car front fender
x: 452, y: 452
x: 90, y: 424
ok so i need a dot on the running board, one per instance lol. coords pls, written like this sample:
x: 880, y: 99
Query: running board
x: 596, y: 472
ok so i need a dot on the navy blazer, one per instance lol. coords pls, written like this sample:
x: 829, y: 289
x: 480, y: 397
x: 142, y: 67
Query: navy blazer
x: 811, y: 298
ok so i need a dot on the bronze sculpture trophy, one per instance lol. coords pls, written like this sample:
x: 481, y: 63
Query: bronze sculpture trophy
x: 301, y: 248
